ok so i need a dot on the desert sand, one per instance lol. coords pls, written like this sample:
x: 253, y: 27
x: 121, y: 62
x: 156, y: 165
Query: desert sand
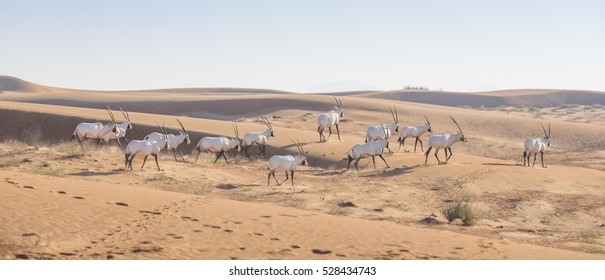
x: 65, y: 202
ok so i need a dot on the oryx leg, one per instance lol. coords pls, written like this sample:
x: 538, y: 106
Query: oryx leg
x: 542, y: 158
x: 246, y: 151
x: 338, y: 131
x: 349, y: 163
x: 426, y: 155
x: 436, y: 151
x: 535, y: 156
x: 126, y: 156
x: 181, y: 152
x: 528, y: 157
x: 374, y: 161
x: 330, y: 130
x: 421, y: 147
x: 144, y: 160
x: 445, y: 150
x: 450, y: 148
x: 174, y: 153
x: 356, y: 162
x: 524, y: 157
x: 321, y: 134
x: 385, y: 162
x: 119, y: 143
x: 286, y: 177
x: 292, y: 173
x: 225, y: 157
x: 218, y: 156
x: 402, y: 143
x: 156, y: 162
x: 130, y: 160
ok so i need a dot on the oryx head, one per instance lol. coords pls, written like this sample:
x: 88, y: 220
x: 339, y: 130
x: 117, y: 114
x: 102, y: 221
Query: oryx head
x: 395, y: 117
x: 126, y: 117
x: 301, y: 152
x: 113, y: 119
x: 184, y: 132
x: 462, y: 137
x: 269, y: 126
x: 427, y: 123
x: 546, y: 135
x: 338, y: 107
x: 236, y: 132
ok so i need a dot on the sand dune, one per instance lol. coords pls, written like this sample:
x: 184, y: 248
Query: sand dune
x: 88, y: 220
x: 200, y: 210
x: 13, y: 84
x: 528, y: 98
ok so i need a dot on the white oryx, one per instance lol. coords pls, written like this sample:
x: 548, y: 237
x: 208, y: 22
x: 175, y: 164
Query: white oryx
x: 445, y: 141
x: 259, y: 138
x: 219, y: 145
x: 120, y: 130
x: 287, y: 163
x: 174, y: 140
x: 535, y: 146
x: 146, y: 148
x: 328, y: 120
x: 372, y: 148
x: 416, y: 132
x: 96, y: 130
x: 384, y: 131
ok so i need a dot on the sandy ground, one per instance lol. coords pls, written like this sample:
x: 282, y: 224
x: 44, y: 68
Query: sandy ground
x: 65, y: 202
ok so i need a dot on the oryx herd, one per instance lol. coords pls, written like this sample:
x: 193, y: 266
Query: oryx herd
x: 376, y: 140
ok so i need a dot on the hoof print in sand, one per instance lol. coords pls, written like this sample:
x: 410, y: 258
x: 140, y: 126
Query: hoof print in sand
x: 78, y: 197
x: 22, y: 256
x: 28, y: 187
x: 121, y: 204
x: 321, y: 252
x: 61, y: 192
x: 346, y: 204
x: 150, y: 212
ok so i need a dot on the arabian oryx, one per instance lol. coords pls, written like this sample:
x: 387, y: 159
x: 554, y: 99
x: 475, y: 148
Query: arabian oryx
x: 372, y: 148
x: 416, y: 132
x: 287, y: 163
x: 174, y: 140
x: 120, y: 128
x: 259, y: 138
x: 535, y: 146
x: 378, y: 132
x: 219, y: 145
x: 329, y: 119
x: 445, y: 141
x: 146, y: 148
x: 96, y: 130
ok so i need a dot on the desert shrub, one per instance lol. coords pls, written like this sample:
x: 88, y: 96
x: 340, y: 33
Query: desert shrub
x: 459, y: 210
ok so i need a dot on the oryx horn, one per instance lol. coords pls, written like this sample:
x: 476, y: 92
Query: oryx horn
x: 460, y: 129
x: 182, y: 126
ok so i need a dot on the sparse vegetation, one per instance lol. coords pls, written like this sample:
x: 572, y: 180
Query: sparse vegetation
x: 409, y: 87
x: 459, y: 210
x: 8, y: 162
x: 15, y: 145
x: 161, y: 178
x: 45, y: 169
x: 338, y: 211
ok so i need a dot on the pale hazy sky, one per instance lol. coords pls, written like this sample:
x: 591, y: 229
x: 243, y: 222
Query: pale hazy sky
x: 299, y: 45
